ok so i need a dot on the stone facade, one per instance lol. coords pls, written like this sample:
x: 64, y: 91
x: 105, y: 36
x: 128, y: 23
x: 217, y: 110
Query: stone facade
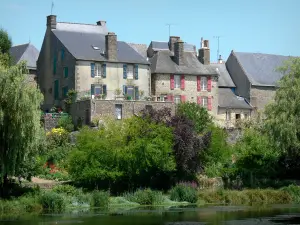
x: 161, y: 86
x: 261, y: 96
x: 86, y: 110
x: 229, y: 118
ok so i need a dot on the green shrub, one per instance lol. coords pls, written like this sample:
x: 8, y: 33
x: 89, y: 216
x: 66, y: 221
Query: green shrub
x: 65, y: 189
x: 293, y: 191
x: 183, y: 193
x: 52, y: 201
x: 100, y: 199
x: 145, y: 197
x: 66, y: 123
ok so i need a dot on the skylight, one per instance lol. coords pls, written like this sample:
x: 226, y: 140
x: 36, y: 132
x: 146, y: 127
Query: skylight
x: 95, y: 47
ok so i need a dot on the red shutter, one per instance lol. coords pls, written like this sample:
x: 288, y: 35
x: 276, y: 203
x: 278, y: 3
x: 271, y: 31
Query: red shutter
x: 209, y: 103
x: 209, y: 84
x: 172, y: 83
x: 199, y: 100
x: 198, y: 83
x: 182, y: 98
x: 172, y: 98
x: 182, y: 83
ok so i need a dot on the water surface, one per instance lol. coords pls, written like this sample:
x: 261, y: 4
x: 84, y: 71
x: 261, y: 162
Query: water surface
x: 230, y: 215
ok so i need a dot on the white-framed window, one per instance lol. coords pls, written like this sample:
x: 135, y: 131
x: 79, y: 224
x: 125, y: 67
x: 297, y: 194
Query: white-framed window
x: 177, y: 99
x: 204, y: 102
x: 228, y: 115
x: 203, y: 83
x: 130, y: 72
x: 177, y: 81
x: 98, y: 90
x: 98, y: 70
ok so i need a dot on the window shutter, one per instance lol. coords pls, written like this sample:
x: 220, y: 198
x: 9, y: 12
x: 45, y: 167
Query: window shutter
x: 104, y: 89
x: 62, y: 54
x: 56, y: 89
x: 198, y: 83
x: 124, y: 71
x: 172, y: 98
x: 182, y: 98
x: 182, y: 83
x: 104, y: 70
x: 209, y: 104
x: 92, y: 89
x: 66, y: 72
x: 172, y: 83
x: 199, y: 100
x: 209, y: 84
x: 136, y: 71
x: 124, y: 89
x: 136, y: 93
x: 92, y: 69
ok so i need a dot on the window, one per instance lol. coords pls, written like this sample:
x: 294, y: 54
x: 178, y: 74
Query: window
x: 98, y: 70
x: 203, y: 83
x: 130, y: 91
x: 163, y: 98
x: 66, y: 72
x: 228, y: 115
x: 177, y: 99
x: 237, y: 116
x: 204, y: 102
x: 65, y: 91
x: 130, y: 73
x: 177, y: 81
x: 118, y: 111
x: 98, y: 89
x: 56, y: 90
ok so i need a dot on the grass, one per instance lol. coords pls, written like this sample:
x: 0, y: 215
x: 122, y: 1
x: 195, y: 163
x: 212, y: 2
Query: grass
x: 184, y: 193
x: 145, y: 197
x: 246, y: 197
x: 100, y: 199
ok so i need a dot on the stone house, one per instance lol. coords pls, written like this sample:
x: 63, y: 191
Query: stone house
x: 90, y: 60
x: 255, y: 76
x: 231, y: 108
x: 29, y: 54
x: 179, y: 76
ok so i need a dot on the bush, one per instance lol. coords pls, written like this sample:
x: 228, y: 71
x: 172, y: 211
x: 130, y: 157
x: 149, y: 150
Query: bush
x: 184, y: 193
x: 100, y: 199
x: 52, y: 201
x: 294, y: 192
x: 145, y: 197
x: 66, y: 123
x: 65, y: 189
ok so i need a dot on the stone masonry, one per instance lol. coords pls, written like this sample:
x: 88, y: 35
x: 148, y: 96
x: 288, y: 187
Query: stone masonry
x: 261, y: 96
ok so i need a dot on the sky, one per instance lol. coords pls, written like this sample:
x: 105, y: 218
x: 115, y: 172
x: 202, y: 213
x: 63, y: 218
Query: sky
x: 265, y: 26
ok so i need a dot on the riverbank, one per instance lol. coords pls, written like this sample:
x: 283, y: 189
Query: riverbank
x: 65, y: 198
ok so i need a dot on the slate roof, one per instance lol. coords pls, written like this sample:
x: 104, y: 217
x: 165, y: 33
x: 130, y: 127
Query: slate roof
x: 160, y: 45
x: 224, y: 77
x: 140, y: 48
x: 26, y: 52
x: 79, y: 39
x: 260, y: 68
x: 227, y: 99
x: 162, y: 62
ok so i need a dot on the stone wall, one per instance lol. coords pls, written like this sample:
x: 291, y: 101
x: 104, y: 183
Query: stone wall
x: 51, y: 120
x: 261, y: 96
x: 81, y: 112
x: 231, y: 121
x: 161, y: 86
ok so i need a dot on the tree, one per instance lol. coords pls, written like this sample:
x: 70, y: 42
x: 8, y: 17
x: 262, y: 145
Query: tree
x: 283, y: 115
x: 20, y: 113
x: 195, y: 113
x: 5, y: 45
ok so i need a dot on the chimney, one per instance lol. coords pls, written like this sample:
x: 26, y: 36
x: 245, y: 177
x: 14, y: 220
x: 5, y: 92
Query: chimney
x: 204, y: 52
x: 51, y: 22
x: 172, y: 41
x: 178, y: 52
x: 101, y: 23
x: 220, y: 60
x: 111, y: 46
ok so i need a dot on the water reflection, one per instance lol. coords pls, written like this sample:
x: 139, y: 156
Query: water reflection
x: 231, y: 215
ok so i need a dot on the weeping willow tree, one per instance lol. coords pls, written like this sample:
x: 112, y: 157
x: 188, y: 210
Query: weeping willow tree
x: 283, y: 115
x: 20, y: 128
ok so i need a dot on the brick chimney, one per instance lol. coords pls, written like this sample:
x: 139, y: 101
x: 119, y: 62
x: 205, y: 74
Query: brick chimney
x: 51, y: 22
x: 172, y: 41
x: 179, y: 52
x: 204, y: 52
x: 111, y: 46
x: 101, y: 23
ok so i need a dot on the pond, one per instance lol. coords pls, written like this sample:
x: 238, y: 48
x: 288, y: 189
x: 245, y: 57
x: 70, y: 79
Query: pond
x: 231, y: 215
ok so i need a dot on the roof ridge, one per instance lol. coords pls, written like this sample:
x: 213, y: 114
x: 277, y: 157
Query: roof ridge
x: 263, y: 53
x: 79, y: 23
x: 21, y: 44
x: 136, y: 43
